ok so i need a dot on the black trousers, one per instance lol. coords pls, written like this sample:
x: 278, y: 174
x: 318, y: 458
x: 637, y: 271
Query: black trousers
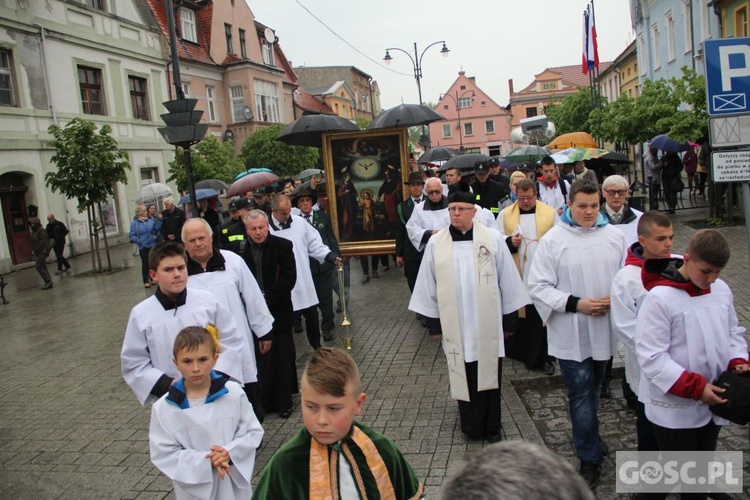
x: 323, y: 281
x: 144, y: 263
x: 62, y: 262
x: 480, y: 417
x: 375, y: 259
x: 277, y: 372
x: 411, y: 270
x: 312, y: 327
x: 529, y: 343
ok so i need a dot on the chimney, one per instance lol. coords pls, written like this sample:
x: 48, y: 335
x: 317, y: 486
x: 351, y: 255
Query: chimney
x: 510, y: 85
x: 473, y: 79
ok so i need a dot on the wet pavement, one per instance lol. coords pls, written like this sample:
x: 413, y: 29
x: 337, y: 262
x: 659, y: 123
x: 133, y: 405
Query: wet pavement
x: 71, y: 428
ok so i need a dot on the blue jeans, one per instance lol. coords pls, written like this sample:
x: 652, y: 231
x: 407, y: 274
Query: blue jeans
x: 583, y: 380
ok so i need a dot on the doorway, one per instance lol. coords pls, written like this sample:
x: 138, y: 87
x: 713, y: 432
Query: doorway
x: 16, y: 225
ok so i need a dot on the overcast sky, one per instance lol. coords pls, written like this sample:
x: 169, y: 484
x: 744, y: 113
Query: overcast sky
x: 492, y: 40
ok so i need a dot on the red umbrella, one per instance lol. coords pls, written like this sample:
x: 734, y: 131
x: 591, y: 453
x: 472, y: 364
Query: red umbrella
x: 251, y: 182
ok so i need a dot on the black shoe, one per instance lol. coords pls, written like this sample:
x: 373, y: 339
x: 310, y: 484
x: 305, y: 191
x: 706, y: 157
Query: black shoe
x: 548, y: 368
x: 285, y: 413
x: 494, y: 438
x: 327, y: 336
x: 375, y: 274
x: 590, y: 472
x: 604, y: 447
x: 365, y: 279
x: 47, y: 285
x: 606, y: 392
x: 298, y: 329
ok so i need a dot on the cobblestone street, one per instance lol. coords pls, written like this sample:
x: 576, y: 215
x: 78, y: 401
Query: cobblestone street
x: 71, y: 429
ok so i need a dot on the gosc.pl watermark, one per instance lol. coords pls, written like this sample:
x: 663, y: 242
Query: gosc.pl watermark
x: 678, y: 471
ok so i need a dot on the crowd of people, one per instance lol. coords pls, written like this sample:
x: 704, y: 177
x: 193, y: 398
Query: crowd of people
x: 550, y: 271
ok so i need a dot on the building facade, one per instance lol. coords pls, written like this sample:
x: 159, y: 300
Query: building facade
x: 364, y: 100
x: 61, y: 59
x: 473, y: 121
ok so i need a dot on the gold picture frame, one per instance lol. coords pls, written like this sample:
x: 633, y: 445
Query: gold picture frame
x: 365, y: 181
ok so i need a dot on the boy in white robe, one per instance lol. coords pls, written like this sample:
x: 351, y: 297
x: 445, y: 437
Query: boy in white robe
x: 146, y: 357
x: 655, y: 238
x: 686, y: 335
x: 203, y: 432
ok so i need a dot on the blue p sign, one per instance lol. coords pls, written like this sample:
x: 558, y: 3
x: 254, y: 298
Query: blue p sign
x: 728, y: 76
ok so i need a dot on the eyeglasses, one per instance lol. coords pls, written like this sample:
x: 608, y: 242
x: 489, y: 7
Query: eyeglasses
x: 526, y: 198
x: 459, y: 210
x: 617, y: 192
x: 435, y: 191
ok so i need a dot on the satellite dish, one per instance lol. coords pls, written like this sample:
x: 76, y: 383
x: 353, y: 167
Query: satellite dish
x: 247, y: 113
x: 269, y: 35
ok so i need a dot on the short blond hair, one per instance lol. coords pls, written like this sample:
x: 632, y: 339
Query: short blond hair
x: 330, y: 369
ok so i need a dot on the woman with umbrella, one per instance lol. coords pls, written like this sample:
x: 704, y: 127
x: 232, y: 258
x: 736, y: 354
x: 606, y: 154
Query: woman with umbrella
x: 671, y: 167
x: 143, y: 233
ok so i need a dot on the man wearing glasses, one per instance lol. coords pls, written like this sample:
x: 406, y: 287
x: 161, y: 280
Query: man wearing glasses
x: 428, y: 217
x: 615, y: 191
x: 467, y: 279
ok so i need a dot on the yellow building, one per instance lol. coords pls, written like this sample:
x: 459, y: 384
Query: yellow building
x: 733, y: 15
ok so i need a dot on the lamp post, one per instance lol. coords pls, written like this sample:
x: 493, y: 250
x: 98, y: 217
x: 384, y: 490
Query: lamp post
x: 416, y: 62
x: 457, y: 100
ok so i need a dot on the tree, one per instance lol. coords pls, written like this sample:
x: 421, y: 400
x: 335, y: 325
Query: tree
x: 211, y: 159
x: 89, y: 165
x: 362, y: 123
x: 263, y: 150
x: 572, y: 113
x: 691, y: 121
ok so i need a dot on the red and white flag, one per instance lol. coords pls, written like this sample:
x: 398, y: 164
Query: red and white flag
x: 590, y: 53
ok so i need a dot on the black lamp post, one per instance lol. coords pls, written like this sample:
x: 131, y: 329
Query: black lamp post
x: 457, y: 101
x: 416, y: 63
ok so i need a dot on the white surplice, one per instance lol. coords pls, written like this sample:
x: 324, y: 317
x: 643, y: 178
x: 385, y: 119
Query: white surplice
x: 180, y: 439
x: 529, y: 242
x: 676, y: 332
x: 626, y: 296
x: 511, y: 296
x: 147, y: 349
x: 422, y: 221
x: 307, y: 244
x: 236, y: 288
x: 571, y: 260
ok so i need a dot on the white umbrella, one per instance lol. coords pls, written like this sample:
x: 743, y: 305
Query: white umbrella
x: 155, y: 191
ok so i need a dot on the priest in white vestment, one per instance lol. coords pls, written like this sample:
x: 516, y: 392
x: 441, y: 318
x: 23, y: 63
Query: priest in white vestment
x: 569, y: 282
x: 468, y: 280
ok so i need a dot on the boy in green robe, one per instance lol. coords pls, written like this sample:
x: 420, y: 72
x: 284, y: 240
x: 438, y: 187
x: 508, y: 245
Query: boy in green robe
x: 334, y: 456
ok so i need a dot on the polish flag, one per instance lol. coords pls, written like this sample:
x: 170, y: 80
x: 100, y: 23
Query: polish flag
x: 590, y: 53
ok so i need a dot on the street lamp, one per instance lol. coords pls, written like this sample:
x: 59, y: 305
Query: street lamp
x: 416, y: 62
x: 457, y: 102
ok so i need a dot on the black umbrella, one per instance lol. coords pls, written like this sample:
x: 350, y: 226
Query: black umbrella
x: 665, y: 143
x: 440, y: 153
x: 216, y: 184
x: 468, y: 161
x: 306, y: 131
x: 404, y: 115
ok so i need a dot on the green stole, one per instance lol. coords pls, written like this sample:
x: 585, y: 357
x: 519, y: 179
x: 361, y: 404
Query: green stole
x: 488, y: 322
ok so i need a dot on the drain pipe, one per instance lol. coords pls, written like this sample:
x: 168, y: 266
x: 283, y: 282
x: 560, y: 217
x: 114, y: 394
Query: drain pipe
x: 43, y: 37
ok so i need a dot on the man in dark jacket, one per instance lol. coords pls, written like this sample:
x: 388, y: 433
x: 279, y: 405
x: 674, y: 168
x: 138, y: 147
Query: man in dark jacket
x: 172, y: 219
x: 488, y: 193
x: 271, y: 260
x: 56, y: 231
x: 406, y: 255
x: 40, y: 247
x: 233, y: 233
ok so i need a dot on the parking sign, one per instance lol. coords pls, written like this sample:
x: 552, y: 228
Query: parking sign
x: 727, y: 75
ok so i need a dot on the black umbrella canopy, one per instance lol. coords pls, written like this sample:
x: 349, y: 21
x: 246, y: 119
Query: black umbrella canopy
x: 306, y: 131
x: 468, y: 161
x: 440, y: 153
x: 216, y: 184
x: 404, y: 115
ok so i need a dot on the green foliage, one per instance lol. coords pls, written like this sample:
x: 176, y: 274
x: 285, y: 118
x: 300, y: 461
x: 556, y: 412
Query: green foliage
x: 690, y: 122
x: 89, y: 164
x: 262, y: 150
x: 572, y: 114
x: 211, y: 159
x: 362, y: 123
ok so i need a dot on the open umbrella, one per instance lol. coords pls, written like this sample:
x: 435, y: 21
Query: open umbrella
x: 252, y: 181
x: 308, y: 173
x: 155, y: 191
x: 404, y: 115
x: 216, y: 184
x: 440, y: 153
x: 573, y: 140
x: 526, y: 153
x: 307, y: 130
x: 468, y: 161
x: 572, y: 155
x: 200, y: 194
x: 665, y: 143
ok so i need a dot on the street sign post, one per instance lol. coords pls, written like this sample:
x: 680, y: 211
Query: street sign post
x: 727, y: 75
x: 730, y: 166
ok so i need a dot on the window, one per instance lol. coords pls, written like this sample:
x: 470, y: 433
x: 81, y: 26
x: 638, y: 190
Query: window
x: 705, y: 16
x: 494, y: 150
x: 97, y: 4
x: 186, y: 89
x: 7, y: 94
x: 446, y: 131
x: 138, y: 101
x: 489, y: 126
x: 187, y: 21
x: 483, y: 103
x: 90, y: 80
x: 243, y: 44
x: 228, y: 35
x: 463, y: 87
x: 149, y: 175
x: 669, y: 23
x: 267, y: 49
x: 445, y: 106
x: 656, y: 47
x: 238, y: 103
x: 464, y: 102
x: 531, y: 112
x: 688, y: 29
x: 740, y: 22
x: 267, y: 101
x: 642, y: 53
x: 468, y: 128
x: 211, y: 104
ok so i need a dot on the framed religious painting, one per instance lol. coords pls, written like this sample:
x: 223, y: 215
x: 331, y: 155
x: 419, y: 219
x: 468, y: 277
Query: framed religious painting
x: 366, y: 174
